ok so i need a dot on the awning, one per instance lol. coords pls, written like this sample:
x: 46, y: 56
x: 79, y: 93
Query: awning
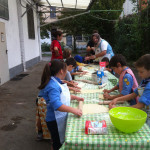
x: 76, y: 4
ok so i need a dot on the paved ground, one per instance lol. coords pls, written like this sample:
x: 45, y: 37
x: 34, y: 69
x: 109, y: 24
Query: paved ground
x: 17, y: 111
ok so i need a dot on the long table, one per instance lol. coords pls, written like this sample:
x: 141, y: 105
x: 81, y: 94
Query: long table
x: 76, y: 139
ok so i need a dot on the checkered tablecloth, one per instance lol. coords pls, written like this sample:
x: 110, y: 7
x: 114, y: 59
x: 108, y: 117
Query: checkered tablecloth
x: 76, y: 139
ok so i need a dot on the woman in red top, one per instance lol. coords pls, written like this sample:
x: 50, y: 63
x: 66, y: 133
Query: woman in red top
x: 56, y: 47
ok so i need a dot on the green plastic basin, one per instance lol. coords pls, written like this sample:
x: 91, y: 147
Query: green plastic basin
x: 127, y: 119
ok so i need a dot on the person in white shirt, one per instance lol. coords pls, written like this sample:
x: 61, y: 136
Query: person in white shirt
x: 102, y: 48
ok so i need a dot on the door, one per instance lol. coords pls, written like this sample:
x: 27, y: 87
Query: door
x: 4, y: 70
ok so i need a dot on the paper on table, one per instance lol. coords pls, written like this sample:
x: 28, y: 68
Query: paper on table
x: 94, y: 108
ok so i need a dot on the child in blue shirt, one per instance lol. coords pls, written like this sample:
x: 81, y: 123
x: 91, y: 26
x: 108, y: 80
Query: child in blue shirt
x: 57, y: 97
x: 127, y: 81
x: 143, y: 91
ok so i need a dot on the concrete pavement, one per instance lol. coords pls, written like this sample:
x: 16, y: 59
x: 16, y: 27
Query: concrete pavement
x: 17, y: 111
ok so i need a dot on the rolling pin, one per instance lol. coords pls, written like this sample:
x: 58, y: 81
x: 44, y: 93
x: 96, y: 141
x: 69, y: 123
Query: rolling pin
x: 87, y: 81
x: 107, y: 102
x: 80, y: 105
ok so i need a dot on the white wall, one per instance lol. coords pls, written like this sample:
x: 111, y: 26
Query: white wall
x: 31, y: 45
x: 12, y: 35
x: 128, y: 8
x: 32, y: 49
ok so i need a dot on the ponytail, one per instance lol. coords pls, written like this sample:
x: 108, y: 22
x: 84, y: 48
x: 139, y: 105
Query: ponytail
x: 45, y: 76
x: 51, y: 69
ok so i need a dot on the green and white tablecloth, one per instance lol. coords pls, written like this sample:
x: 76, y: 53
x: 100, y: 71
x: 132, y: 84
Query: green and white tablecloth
x: 76, y: 139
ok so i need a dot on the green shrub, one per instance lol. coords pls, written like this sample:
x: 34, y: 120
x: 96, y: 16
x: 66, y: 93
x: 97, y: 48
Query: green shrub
x: 132, y: 34
x: 45, y: 47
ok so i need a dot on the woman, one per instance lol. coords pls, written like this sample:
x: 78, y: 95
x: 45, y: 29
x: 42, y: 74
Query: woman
x: 102, y: 48
x: 56, y: 47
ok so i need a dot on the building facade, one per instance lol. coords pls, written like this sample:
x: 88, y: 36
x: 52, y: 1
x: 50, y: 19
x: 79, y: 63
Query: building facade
x: 19, y: 37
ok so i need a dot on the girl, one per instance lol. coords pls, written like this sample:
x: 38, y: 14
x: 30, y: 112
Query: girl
x: 56, y: 47
x: 57, y: 98
x: 143, y: 91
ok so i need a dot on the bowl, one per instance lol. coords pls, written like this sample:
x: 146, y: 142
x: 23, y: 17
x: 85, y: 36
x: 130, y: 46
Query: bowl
x: 127, y: 119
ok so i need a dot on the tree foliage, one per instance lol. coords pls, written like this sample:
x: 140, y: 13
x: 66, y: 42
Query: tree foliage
x: 132, y: 35
x: 85, y: 24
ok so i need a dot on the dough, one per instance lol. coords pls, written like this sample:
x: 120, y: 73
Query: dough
x: 101, y: 97
x: 91, y: 91
x: 94, y: 108
x: 81, y: 84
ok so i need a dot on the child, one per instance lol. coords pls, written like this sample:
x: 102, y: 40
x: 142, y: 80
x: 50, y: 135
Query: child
x: 71, y: 64
x: 56, y: 47
x: 127, y: 80
x: 143, y: 91
x: 106, y: 59
x: 66, y: 54
x: 57, y: 97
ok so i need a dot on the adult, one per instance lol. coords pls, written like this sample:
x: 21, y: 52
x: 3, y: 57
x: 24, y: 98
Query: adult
x: 102, y: 48
x: 90, y: 45
x: 56, y: 47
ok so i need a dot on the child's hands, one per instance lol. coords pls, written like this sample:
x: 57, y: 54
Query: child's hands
x: 111, y: 106
x: 106, y: 96
x: 77, y: 112
x: 106, y: 91
x: 75, y: 83
x: 76, y: 89
x: 87, y: 58
x: 79, y: 99
x: 113, y: 102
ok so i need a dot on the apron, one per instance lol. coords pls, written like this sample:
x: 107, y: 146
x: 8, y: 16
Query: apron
x: 98, y: 50
x: 61, y: 117
x: 135, y: 84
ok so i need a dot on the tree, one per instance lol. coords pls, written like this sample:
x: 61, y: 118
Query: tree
x: 85, y: 24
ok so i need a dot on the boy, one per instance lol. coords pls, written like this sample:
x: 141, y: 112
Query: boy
x: 71, y: 64
x: 127, y: 80
x: 143, y: 91
x: 66, y: 53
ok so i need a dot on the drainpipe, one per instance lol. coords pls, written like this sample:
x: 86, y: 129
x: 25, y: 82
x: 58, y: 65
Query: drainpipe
x: 39, y: 36
x: 21, y: 35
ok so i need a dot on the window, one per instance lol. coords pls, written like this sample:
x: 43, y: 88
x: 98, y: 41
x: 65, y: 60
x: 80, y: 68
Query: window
x: 69, y: 40
x: 79, y: 38
x: 30, y: 21
x: 53, y: 14
x: 4, y: 9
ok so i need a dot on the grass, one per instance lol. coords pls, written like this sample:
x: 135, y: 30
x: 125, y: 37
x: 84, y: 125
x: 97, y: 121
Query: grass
x: 45, y: 55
